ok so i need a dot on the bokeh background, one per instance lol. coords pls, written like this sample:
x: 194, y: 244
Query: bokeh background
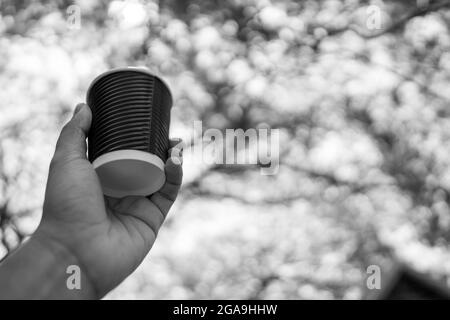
x: 358, y: 89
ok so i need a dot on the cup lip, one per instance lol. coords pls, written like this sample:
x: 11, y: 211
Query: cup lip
x: 140, y: 69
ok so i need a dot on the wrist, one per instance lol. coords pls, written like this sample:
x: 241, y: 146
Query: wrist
x: 69, y: 276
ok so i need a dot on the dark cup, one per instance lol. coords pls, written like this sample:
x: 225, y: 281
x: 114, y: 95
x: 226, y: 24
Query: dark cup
x: 129, y: 136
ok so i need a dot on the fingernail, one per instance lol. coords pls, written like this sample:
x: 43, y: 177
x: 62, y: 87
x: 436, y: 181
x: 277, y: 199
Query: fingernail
x: 181, y: 156
x: 180, y: 148
x: 176, y: 156
x: 78, y: 108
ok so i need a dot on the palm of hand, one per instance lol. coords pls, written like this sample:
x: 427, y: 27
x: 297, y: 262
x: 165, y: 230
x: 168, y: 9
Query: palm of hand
x: 109, y: 237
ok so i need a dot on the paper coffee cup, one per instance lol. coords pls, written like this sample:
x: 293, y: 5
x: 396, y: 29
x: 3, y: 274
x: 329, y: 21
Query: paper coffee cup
x: 129, y: 136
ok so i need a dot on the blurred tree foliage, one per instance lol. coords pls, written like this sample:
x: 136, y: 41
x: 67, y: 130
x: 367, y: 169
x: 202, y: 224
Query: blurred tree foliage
x: 363, y: 115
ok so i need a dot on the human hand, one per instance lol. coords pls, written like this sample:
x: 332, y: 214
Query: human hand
x: 107, y: 237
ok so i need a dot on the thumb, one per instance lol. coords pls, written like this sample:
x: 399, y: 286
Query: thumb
x: 72, y: 140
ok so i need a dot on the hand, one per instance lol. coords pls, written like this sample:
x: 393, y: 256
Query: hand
x: 107, y: 237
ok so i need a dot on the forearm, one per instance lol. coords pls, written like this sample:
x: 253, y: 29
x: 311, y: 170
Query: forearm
x: 38, y: 270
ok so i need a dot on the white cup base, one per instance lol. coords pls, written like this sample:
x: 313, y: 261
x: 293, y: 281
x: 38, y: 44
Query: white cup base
x: 129, y: 173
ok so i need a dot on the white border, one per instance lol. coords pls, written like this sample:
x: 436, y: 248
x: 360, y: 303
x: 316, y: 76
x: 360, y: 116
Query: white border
x: 128, y: 154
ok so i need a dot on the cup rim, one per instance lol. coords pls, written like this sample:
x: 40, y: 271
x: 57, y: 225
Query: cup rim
x: 141, y: 69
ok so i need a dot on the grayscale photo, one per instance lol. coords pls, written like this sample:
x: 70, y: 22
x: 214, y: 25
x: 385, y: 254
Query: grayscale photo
x: 225, y: 158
